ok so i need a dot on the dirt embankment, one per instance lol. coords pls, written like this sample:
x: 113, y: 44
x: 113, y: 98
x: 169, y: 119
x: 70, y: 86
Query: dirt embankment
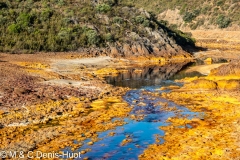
x: 219, y: 45
x: 216, y: 40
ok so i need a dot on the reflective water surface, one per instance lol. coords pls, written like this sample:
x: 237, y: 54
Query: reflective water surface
x: 150, y: 75
x: 147, y: 105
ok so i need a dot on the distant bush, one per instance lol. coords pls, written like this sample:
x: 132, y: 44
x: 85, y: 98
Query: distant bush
x: 146, y: 23
x: 139, y: 19
x: 118, y: 20
x: 222, y: 21
x: 64, y: 33
x: 104, y: 8
x: 220, y: 3
x: 92, y: 37
x: 196, y: 12
x: 108, y: 37
x: 46, y: 14
x: 112, y: 2
x: 191, y: 9
x: 67, y: 25
x: 163, y: 22
x: 14, y: 28
x: 24, y: 19
x: 193, y: 26
x: 2, y: 20
x: 173, y: 27
x: 205, y: 9
x: 188, y: 17
x: 61, y: 2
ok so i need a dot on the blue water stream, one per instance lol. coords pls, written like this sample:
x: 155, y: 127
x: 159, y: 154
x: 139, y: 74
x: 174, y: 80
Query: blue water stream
x: 142, y: 132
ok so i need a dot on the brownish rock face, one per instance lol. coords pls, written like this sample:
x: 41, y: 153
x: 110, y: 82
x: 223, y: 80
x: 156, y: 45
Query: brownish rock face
x: 226, y: 70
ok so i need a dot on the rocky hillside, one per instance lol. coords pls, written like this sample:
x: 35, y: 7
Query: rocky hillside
x: 194, y: 14
x: 107, y: 27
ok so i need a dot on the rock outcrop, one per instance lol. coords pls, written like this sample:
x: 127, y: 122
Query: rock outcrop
x: 158, y: 45
x: 227, y: 70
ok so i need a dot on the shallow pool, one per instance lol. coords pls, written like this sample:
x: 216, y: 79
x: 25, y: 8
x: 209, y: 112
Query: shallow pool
x: 142, y: 132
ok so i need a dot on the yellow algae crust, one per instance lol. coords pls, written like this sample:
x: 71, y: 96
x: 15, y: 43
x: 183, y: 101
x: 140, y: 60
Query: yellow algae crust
x: 214, y: 136
x: 79, y: 123
x: 107, y: 71
x: 38, y: 68
x: 36, y: 65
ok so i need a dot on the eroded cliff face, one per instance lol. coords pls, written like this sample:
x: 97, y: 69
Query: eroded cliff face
x: 156, y: 44
x: 139, y: 34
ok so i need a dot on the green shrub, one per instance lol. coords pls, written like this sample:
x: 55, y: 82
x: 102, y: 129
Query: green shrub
x: 112, y: 2
x: 222, y: 21
x: 3, y: 20
x: 42, y: 25
x: 193, y: 26
x: 188, y: 17
x: 220, y: 3
x: 173, y: 26
x: 24, y: 19
x: 61, y: 2
x: 146, y: 23
x: 92, y: 37
x: 14, y: 28
x: 103, y: 8
x: 139, y: 19
x: 163, y: 22
x: 46, y: 14
x: 183, y: 9
x: 205, y: 9
x: 109, y: 37
x: 196, y: 12
x: 64, y: 34
x: 118, y: 20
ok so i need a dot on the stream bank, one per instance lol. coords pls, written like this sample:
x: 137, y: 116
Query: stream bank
x: 48, y: 101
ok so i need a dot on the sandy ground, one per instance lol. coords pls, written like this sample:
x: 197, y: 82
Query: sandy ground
x: 218, y: 55
x: 204, y: 69
x: 96, y: 61
x: 233, y: 36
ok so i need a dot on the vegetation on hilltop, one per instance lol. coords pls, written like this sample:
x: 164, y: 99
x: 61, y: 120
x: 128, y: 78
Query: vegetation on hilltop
x: 196, y: 13
x: 67, y: 25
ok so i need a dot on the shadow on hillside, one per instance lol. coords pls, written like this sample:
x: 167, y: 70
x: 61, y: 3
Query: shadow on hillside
x: 191, y: 49
x: 185, y: 40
